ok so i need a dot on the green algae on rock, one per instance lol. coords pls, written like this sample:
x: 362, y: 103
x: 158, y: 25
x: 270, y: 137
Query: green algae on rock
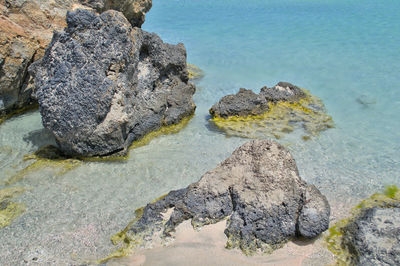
x: 281, y: 116
x: 124, y: 155
x: 10, y: 210
x: 51, y: 157
x: 340, y: 239
x: 20, y: 111
x: 195, y: 73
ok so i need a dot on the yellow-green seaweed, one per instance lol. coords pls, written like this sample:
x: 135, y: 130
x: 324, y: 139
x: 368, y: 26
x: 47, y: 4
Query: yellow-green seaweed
x: 45, y: 157
x: 19, y: 111
x: 389, y: 198
x: 194, y: 72
x: 164, y: 130
x: 10, y: 210
x: 51, y: 157
x: 128, y: 241
x: 282, y: 118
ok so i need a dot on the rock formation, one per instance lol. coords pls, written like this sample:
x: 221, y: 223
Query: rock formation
x: 195, y: 73
x: 271, y: 113
x: 26, y: 28
x: 243, y: 103
x: 133, y: 10
x: 259, y: 190
x: 371, y: 236
x: 103, y: 84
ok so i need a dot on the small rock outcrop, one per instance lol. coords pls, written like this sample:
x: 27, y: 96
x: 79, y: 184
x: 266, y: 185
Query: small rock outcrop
x: 283, y: 91
x: 271, y: 113
x: 103, y: 84
x: 243, y: 103
x: 259, y: 190
x: 134, y: 10
x: 26, y: 28
x: 371, y: 236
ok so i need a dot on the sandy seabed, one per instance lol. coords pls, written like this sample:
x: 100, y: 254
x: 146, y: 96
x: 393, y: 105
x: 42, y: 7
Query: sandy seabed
x: 207, y: 247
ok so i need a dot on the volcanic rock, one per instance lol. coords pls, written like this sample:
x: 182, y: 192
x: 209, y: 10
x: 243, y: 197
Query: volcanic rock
x: 244, y: 103
x: 103, y: 84
x: 374, y: 237
x: 271, y: 113
x: 371, y: 235
x: 26, y: 28
x: 259, y: 190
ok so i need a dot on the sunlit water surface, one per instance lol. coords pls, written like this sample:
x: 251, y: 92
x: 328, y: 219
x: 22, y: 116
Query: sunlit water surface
x: 345, y: 52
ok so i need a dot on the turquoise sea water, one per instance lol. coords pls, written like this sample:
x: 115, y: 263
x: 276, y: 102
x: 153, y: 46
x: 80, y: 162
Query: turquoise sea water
x: 345, y: 52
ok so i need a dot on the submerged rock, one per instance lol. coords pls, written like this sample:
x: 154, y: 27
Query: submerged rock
x: 271, y: 113
x: 259, y: 190
x: 103, y: 84
x: 26, y: 28
x: 371, y: 236
x: 10, y: 210
x: 195, y: 73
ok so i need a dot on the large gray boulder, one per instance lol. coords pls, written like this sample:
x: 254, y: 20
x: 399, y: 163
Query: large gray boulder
x: 103, y: 84
x: 26, y: 29
x: 258, y: 187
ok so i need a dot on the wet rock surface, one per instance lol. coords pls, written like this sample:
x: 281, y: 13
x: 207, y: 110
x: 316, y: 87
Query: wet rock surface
x: 103, y: 84
x: 371, y: 236
x: 26, y: 28
x: 258, y: 189
x: 272, y: 113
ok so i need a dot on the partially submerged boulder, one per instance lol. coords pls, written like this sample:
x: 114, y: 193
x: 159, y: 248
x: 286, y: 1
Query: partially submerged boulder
x: 371, y: 236
x: 103, y: 84
x: 271, y: 113
x: 258, y: 189
x: 243, y: 103
x: 26, y: 28
x: 195, y: 73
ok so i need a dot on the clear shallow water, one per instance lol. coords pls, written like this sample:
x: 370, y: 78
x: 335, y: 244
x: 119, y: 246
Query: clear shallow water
x: 345, y: 52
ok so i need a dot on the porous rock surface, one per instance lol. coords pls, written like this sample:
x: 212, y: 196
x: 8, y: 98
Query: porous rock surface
x: 26, y: 28
x: 246, y: 102
x: 103, y: 84
x: 134, y: 10
x: 371, y: 234
x: 374, y: 237
x: 259, y: 190
x: 283, y: 91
